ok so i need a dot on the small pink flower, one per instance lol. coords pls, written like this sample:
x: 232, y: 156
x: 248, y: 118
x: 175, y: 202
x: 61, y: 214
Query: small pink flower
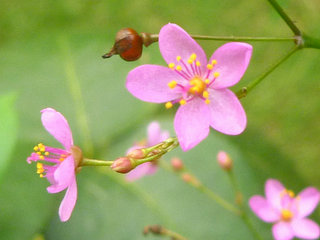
x: 287, y: 212
x: 155, y: 136
x: 60, y: 170
x: 199, y: 86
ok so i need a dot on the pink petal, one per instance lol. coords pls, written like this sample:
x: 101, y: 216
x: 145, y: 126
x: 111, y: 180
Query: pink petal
x: 282, y: 231
x: 68, y: 202
x: 307, y: 201
x: 232, y: 61
x: 174, y: 41
x: 154, y: 134
x: 226, y: 112
x: 191, y: 123
x: 63, y: 175
x: 263, y: 209
x: 273, y: 189
x: 147, y: 168
x: 150, y: 83
x: 56, y: 124
x: 305, y: 228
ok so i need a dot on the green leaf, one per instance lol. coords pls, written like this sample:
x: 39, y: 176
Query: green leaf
x: 8, y: 129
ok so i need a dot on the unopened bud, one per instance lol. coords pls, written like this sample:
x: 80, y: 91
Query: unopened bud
x: 128, y: 44
x: 122, y: 165
x: 177, y: 164
x: 136, y: 154
x: 188, y: 178
x: 224, y: 160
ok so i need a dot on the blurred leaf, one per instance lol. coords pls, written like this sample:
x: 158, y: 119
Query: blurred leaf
x: 8, y: 129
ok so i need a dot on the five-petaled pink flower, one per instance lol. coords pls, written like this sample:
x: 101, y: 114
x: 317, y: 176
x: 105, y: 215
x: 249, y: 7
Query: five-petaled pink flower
x: 61, y: 163
x: 287, y: 212
x: 199, y: 86
x: 155, y: 136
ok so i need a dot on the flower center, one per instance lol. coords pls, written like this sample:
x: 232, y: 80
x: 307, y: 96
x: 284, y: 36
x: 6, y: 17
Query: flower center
x: 193, y: 81
x: 286, y: 215
x: 198, y: 86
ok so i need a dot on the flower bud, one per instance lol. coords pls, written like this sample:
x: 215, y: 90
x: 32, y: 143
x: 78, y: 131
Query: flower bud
x: 188, y: 178
x: 136, y: 154
x: 123, y: 165
x: 224, y: 160
x: 177, y: 164
x: 128, y: 44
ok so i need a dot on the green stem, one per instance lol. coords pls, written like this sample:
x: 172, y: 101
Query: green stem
x: 95, y: 162
x: 173, y: 235
x: 285, y: 17
x: 250, y: 226
x: 310, y: 42
x: 154, y: 38
x: 245, y: 90
x: 202, y: 188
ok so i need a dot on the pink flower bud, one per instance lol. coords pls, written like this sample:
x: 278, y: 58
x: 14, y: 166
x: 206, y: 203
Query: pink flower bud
x: 123, y: 165
x: 177, y: 164
x: 188, y: 178
x: 136, y: 154
x: 224, y: 160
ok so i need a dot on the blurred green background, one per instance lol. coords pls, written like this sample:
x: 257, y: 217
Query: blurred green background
x: 50, y: 56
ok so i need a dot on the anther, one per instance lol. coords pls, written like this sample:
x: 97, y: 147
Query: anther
x: 178, y: 68
x: 207, y: 101
x: 61, y: 159
x: 39, y: 165
x: 36, y: 148
x: 168, y: 105
x: 41, y: 175
x: 46, y: 153
x: 178, y: 58
x: 207, y: 81
x: 171, y: 66
x: 39, y: 153
x: 214, y: 62
x: 286, y: 215
x: 209, y: 66
x: 216, y: 74
x: 182, y: 102
x: 41, y: 157
x: 205, y: 94
x: 193, y: 56
x: 172, y: 84
x: 198, y: 63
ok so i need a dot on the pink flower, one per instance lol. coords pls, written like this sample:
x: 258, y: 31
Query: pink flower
x: 155, y: 136
x: 199, y: 86
x: 61, y: 163
x: 287, y: 212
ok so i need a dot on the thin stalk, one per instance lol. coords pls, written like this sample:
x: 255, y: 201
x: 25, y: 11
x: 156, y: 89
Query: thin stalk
x: 245, y: 90
x: 95, y: 162
x: 154, y: 38
x: 173, y: 235
x: 285, y: 17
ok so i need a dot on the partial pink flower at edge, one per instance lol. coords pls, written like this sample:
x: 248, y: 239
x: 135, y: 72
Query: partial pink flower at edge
x: 56, y: 164
x: 155, y: 136
x: 198, y: 85
x: 287, y: 211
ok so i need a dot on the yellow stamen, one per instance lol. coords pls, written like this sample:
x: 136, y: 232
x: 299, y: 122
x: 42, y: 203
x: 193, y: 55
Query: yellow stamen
x: 171, y: 66
x: 46, y: 153
x: 207, y: 81
x: 178, y: 68
x: 214, y: 62
x: 178, y: 58
x: 216, y: 74
x: 182, y: 102
x: 42, y: 149
x: 210, y: 66
x: 286, y: 215
x: 41, y: 175
x: 39, y: 153
x: 168, y: 105
x: 39, y: 165
x: 41, y: 157
x: 198, y: 86
x: 36, y: 148
x: 290, y: 193
x: 190, y: 61
x: 61, y: 159
x: 40, y: 170
x: 205, y: 94
x: 40, y: 145
x: 198, y: 63
x: 207, y: 101
x: 193, y: 56
x: 172, y: 84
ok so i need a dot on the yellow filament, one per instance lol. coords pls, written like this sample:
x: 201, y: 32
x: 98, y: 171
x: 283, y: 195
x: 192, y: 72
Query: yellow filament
x: 168, y: 105
x: 178, y: 58
x: 207, y: 101
x: 182, y: 102
x: 171, y: 66
x: 216, y: 74
x: 210, y: 66
x: 172, y: 84
x: 214, y: 62
x: 205, y: 94
x: 178, y: 68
